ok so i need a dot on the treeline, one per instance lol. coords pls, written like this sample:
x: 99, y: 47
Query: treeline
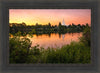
x: 76, y: 52
x: 45, y: 29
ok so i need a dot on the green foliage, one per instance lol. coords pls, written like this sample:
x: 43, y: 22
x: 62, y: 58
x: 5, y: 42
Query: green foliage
x: 73, y: 53
x: 18, y: 49
x: 45, y: 29
x: 18, y: 34
x: 86, y: 38
x: 76, y: 52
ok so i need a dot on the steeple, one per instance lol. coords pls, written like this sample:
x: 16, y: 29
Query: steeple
x: 63, y: 23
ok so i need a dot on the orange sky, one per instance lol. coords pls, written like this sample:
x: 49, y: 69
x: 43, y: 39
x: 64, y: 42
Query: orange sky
x: 54, y: 16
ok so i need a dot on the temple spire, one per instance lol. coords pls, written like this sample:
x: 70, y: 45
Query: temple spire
x: 63, y: 23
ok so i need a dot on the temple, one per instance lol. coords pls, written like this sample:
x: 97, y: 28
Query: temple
x: 63, y: 23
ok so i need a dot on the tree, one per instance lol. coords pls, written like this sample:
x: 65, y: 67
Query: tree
x: 59, y: 24
x: 86, y: 38
x: 49, y: 24
x: 19, y: 49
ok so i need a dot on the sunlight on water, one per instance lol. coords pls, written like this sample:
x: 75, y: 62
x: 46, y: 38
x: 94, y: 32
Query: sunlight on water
x: 54, y: 40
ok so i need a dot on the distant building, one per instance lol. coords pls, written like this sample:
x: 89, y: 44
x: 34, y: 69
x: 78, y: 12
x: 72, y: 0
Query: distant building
x: 63, y: 23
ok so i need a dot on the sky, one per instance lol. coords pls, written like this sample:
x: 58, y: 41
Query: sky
x: 53, y: 16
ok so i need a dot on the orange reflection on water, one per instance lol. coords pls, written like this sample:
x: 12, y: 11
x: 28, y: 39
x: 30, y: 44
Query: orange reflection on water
x: 54, y: 40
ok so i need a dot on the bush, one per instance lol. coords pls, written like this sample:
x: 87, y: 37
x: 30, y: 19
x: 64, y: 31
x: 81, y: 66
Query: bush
x: 86, y: 38
x: 18, y: 49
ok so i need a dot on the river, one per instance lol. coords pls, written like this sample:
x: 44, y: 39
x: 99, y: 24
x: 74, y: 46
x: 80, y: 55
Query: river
x: 54, y: 40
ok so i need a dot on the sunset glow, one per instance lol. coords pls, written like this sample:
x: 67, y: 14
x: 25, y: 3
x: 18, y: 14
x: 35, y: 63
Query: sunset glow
x: 54, y: 16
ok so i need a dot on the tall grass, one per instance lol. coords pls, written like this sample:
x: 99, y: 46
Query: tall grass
x: 76, y: 52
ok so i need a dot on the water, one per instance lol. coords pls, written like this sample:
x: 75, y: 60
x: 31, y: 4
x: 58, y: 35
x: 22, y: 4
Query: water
x: 54, y: 40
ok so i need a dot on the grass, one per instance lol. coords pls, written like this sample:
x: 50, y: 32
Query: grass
x: 76, y: 52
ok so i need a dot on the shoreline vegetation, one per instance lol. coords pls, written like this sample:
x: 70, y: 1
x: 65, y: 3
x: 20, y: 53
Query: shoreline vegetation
x: 74, y: 53
x: 39, y: 29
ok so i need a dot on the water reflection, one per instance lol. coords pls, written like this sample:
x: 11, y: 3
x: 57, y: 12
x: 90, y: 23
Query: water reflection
x: 54, y: 40
x: 63, y: 36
